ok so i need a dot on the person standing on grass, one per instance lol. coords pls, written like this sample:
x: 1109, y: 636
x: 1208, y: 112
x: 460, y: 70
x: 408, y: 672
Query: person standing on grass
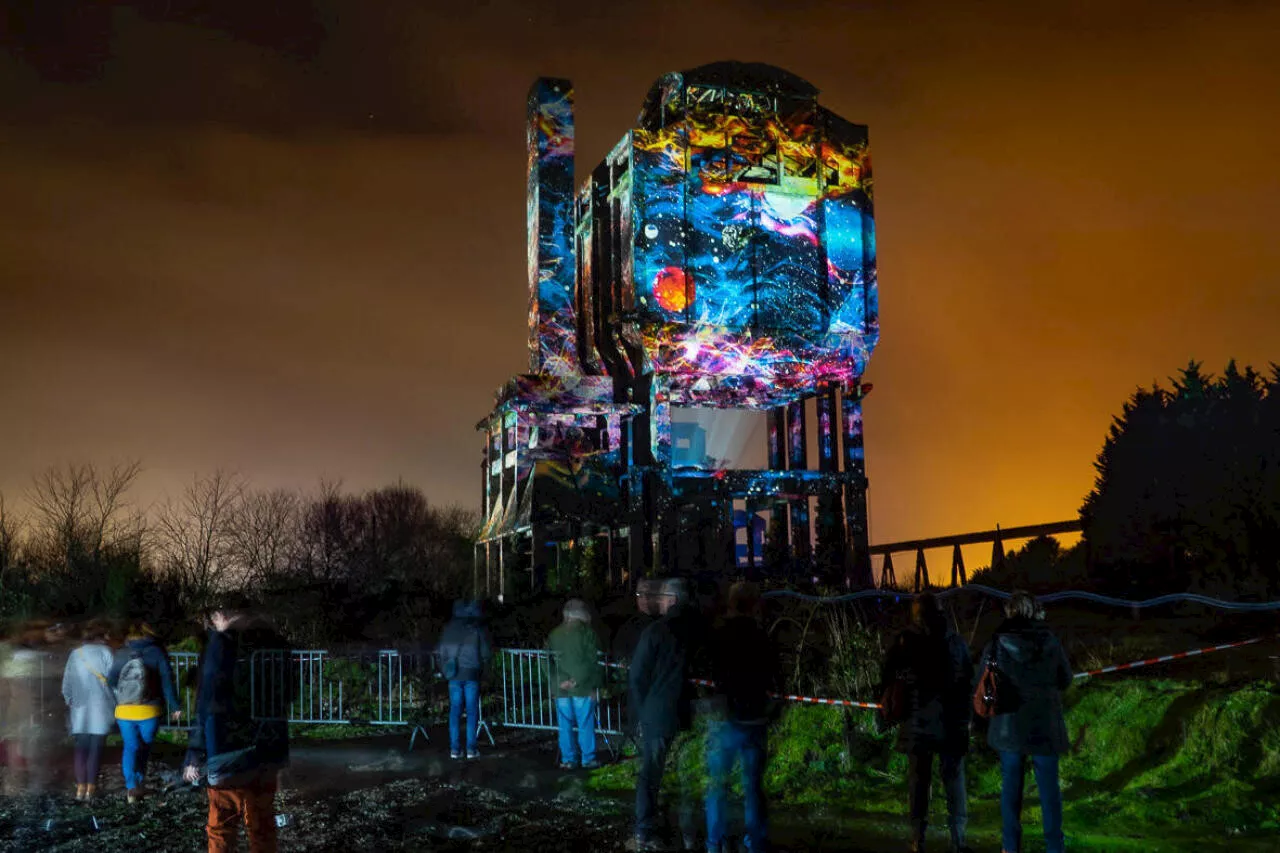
x: 143, y: 685
x: 1029, y: 720
x: 575, y: 653
x: 744, y: 667
x: 463, y: 655
x: 91, y: 703
x: 934, y: 665
x: 240, y: 756
x: 662, y: 703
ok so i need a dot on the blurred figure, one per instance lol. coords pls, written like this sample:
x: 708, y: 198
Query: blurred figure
x: 576, y: 653
x: 662, y: 701
x: 144, y: 691
x: 463, y: 655
x: 934, y: 663
x: 1029, y: 719
x: 628, y: 636
x: 91, y: 703
x: 27, y: 730
x: 744, y: 666
x: 240, y: 756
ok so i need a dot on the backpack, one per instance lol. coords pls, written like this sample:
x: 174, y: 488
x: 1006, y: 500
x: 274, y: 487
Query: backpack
x: 138, y: 683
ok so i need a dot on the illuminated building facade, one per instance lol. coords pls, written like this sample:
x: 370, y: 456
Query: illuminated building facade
x: 721, y: 259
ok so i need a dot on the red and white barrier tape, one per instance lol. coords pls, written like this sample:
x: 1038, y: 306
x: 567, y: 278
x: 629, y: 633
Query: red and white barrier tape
x: 848, y: 703
x: 843, y: 703
x: 813, y: 700
x: 1166, y: 658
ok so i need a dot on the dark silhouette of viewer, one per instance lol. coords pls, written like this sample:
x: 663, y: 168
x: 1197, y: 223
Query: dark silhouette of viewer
x: 933, y: 665
x: 1029, y: 721
x: 662, y: 703
x: 744, y: 667
x: 240, y: 754
x: 463, y: 656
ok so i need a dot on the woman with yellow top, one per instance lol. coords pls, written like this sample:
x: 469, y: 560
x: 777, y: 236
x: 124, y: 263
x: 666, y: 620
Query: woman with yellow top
x: 143, y: 685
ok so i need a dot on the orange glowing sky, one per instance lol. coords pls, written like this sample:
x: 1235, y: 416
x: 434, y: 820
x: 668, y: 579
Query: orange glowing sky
x: 303, y: 256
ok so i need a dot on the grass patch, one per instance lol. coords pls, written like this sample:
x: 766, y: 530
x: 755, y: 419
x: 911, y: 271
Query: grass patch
x: 1157, y: 765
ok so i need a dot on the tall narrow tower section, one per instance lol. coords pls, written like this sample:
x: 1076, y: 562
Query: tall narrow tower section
x: 552, y: 268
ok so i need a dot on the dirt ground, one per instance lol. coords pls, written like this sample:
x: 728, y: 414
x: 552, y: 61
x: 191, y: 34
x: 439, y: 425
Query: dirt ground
x: 372, y: 794
x: 368, y: 794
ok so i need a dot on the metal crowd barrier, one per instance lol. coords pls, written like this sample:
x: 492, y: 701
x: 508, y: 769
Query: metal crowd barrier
x: 186, y: 674
x: 393, y: 688
x: 529, y: 677
x: 383, y: 688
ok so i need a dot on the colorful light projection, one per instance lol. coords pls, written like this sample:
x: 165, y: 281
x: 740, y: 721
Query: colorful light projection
x: 552, y: 338
x: 754, y: 240
x: 721, y: 256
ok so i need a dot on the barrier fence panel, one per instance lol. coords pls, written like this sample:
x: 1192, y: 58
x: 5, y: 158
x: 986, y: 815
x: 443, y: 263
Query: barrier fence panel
x: 529, y: 678
x: 404, y: 684
x: 186, y: 673
x: 296, y: 686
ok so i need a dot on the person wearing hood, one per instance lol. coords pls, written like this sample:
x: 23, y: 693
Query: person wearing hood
x: 575, y: 652
x: 1029, y: 721
x: 240, y: 756
x: 932, y: 663
x: 662, y: 703
x: 145, y: 694
x: 463, y: 656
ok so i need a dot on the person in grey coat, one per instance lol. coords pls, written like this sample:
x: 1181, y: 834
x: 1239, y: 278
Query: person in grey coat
x: 91, y: 705
x: 1029, y: 721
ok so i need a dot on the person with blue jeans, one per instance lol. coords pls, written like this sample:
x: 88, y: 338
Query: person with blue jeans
x: 463, y: 654
x: 575, y: 662
x: 744, y: 669
x: 1029, y: 721
x: 143, y: 686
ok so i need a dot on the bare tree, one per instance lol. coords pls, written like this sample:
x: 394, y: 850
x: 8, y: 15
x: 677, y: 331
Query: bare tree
x: 79, y: 510
x: 194, y: 536
x: 10, y: 536
x: 264, y: 532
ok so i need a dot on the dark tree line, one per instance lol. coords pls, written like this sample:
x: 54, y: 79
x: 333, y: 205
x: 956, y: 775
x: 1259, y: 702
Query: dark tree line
x: 331, y: 566
x: 1187, y: 495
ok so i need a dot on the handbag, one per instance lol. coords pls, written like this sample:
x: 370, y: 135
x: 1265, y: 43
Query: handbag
x: 991, y: 685
x: 449, y: 668
x: 895, y: 701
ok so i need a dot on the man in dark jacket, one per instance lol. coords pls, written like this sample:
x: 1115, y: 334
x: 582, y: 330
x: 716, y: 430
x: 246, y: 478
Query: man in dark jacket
x: 662, y: 703
x: 241, y: 756
x: 932, y: 662
x: 744, y: 667
x: 1029, y: 719
x: 463, y: 655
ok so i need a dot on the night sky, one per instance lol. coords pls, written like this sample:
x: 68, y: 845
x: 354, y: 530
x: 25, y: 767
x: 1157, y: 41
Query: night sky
x: 291, y: 243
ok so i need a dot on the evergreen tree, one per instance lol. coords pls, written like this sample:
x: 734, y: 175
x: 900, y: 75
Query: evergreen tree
x: 1187, y: 495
